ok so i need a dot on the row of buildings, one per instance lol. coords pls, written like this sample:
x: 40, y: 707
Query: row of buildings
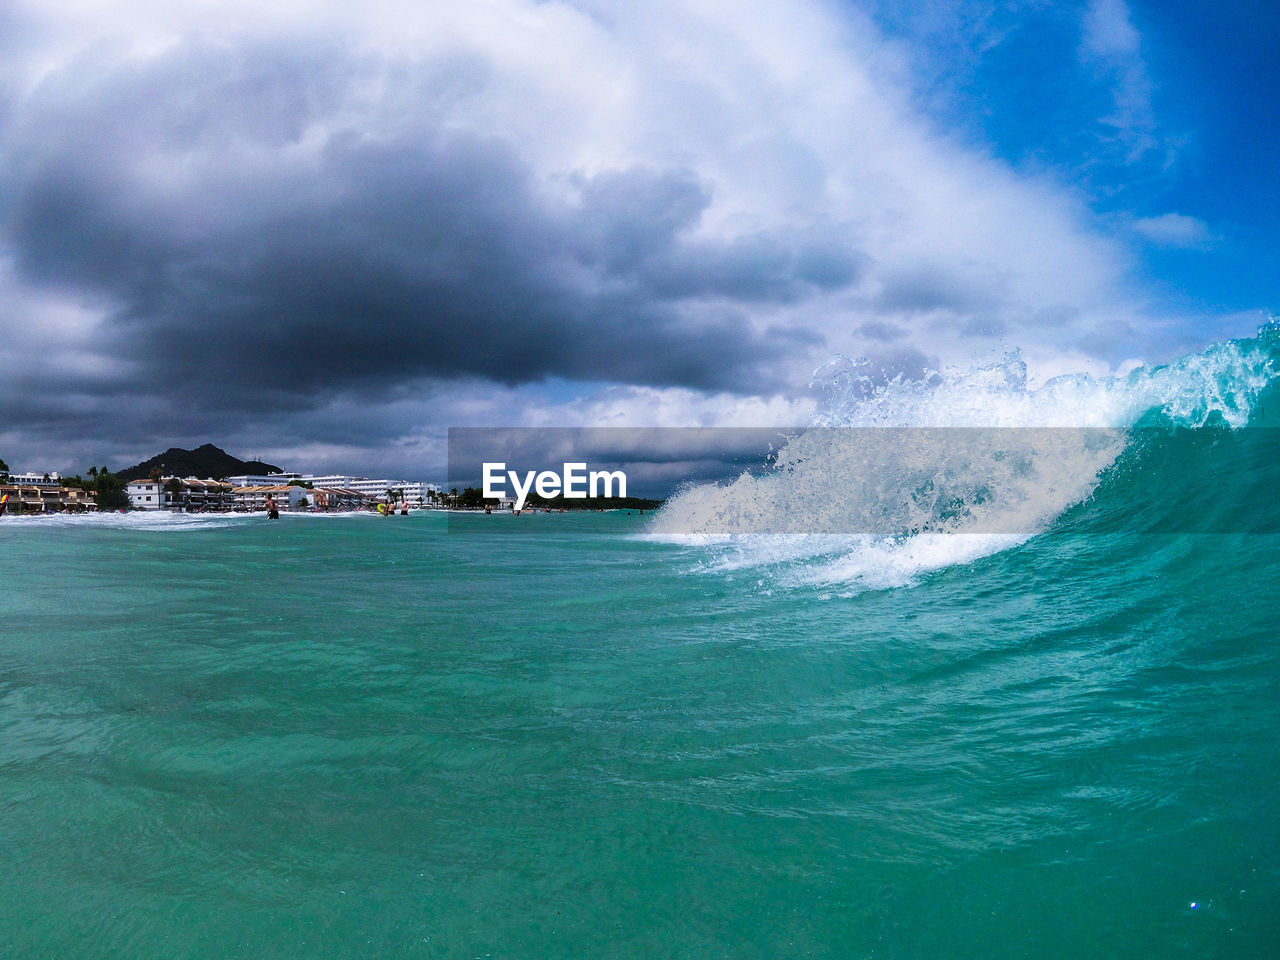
x: 45, y: 493
x: 290, y: 491
x: 415, y: 492
x: 26, y: 497
x: 192, y: 495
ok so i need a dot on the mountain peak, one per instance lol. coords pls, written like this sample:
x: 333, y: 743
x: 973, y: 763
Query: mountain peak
x: 205, y: 461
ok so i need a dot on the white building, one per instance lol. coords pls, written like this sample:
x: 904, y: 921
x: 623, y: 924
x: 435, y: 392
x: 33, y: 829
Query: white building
x: 332, y: 480
x: 413, y: 491
x: 192, y: 494
x: 263, y: 479
x: 35, y: 479
x: 145, y: 494
x: 255, y: 497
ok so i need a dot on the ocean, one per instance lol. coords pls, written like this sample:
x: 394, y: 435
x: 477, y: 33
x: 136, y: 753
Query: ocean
x: 600, y: 735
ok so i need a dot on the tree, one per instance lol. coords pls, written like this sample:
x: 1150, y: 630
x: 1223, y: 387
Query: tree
x: 173, y: 486
x: 109, y: 491
x: 472, y: 498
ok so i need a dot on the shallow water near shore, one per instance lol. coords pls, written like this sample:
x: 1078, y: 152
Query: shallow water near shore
x: 554, y: 736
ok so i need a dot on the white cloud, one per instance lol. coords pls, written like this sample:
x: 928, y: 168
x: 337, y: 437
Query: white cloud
x: 1175, y: 230
x: 1109, y: 33
x: 1113, y: 46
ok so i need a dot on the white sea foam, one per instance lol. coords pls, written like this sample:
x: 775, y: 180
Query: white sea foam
x: 164, y: 520
x: 157, y: 520
x: 896, y: 480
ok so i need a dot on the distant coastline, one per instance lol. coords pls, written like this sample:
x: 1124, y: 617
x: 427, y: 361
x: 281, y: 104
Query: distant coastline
x: 207, y: 479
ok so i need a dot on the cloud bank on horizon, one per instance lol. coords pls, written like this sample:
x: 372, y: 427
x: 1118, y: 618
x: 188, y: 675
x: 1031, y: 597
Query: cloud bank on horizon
x: 322, y: 235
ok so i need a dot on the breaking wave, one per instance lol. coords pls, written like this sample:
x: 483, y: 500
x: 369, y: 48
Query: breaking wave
x: 896, y: 480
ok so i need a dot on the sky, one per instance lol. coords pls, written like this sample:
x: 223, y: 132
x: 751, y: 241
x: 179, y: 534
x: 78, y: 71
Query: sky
x: 324, y: 233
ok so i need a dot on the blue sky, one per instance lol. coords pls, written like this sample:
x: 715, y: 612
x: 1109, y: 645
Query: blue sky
x: 326, y: 234
x: 1202, y: 85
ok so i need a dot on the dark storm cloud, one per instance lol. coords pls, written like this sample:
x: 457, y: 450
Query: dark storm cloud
x: 631, y: 224
x: 254, y: 247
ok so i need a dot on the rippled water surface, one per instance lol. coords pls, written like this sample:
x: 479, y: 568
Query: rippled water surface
x: 550, y: 737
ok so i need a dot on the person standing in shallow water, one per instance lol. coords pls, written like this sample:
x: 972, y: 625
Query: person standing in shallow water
x: 272, y: 512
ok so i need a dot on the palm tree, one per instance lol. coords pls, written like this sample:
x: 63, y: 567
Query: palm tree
x: 173, y: 487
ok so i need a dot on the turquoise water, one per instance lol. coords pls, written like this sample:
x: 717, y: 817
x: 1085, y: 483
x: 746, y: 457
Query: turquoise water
x: 368, y: 737
x: 561, y: 737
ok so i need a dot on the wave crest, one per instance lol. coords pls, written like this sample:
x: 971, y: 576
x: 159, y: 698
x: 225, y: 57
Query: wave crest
x: 899, y: 478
